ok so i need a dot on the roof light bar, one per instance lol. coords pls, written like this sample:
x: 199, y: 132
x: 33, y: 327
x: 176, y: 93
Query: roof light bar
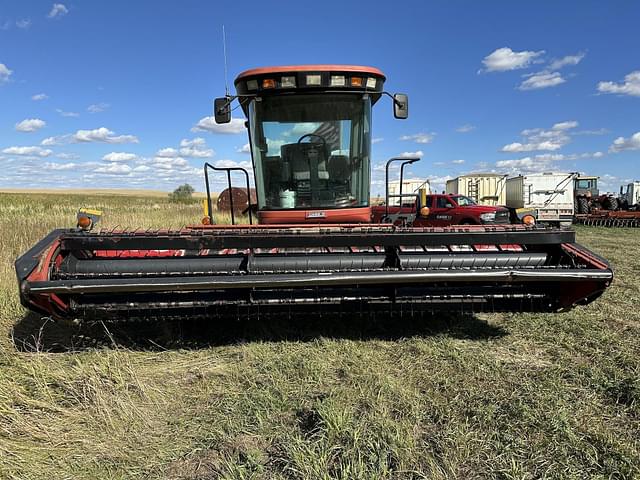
x: 288, y: 82
x: 314, y: 80
x: 338, y: 81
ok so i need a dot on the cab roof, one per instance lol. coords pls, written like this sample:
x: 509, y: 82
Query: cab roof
x: 254, y: 72
x: 310, y: 78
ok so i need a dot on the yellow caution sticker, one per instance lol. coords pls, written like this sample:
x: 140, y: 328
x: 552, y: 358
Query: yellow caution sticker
x: 90, y: 211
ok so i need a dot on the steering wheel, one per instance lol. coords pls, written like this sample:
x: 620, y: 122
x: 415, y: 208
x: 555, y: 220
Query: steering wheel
x: 313, y: 135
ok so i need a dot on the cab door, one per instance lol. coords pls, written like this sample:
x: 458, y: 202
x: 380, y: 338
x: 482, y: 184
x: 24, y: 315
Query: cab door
x: 442, y: 212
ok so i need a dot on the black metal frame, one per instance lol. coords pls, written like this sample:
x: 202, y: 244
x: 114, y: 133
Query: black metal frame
x: 207, y: 165
x: 405, y: 161
x: 306, y: 280
x: 256, y: 237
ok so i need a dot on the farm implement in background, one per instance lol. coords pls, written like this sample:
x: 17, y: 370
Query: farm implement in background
x: 608, y: 218
x: 606, y: 210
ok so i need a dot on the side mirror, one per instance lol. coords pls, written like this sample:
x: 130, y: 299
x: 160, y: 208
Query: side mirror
x: 400, y: 106
x: 222, y: 110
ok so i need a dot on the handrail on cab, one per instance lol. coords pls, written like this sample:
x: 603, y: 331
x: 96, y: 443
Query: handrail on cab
x: 207, y: 165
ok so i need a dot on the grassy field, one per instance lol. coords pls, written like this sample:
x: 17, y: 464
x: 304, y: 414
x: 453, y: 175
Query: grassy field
x: 94, y: 192
x: 493, y: 396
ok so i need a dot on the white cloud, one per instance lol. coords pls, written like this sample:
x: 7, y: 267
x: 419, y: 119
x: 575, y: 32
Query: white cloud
x: 104, y: 135
x: 530, y: 147
x: 246, y: 148
x: 302, y: 128
x: 540, y: 80
x: 169, y: 163
x: 418, y: 154
x: 571, y: 60
x: 67, y: 156
x: 565, y: 125
x: 119, y: 157
x: 274, y: 146
x: 419, y: 137
x: 537, y: 163
x: 377, y: 140
x: 51, y: 141
x: 58, y: 10
x: 97, y: 107
x: 620, y: 144
x: 599, y: 131
x: 465, y: 128
x: 542, y: 162
x: 438, y: 183
x: 630, y: 86
x: 611, y: 183
x: 142, y: 168
x: 30, y: 125
x: 67, y: 114
x: 32, y: 151
x: 197, y: 152
x: 457, y: 162
x: 23, y: 23
x: 195, y: 142
x: 167, y: 152
x: 208, y: 124
x: 98, y: 135
x: 39, y: 96
x: 195, y: 148
x: 114, y: 169
x: 5, y: 73
x: 505, y: 59
x: 540, y: 139
x: 58, y: 166
x: 232, y: 163
x: 523, y: 164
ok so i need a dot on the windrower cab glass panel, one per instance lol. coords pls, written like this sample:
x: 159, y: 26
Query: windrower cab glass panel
x: 310, y: 138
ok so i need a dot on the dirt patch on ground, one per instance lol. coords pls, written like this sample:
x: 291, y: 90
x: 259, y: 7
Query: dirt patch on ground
x: 207, y: 464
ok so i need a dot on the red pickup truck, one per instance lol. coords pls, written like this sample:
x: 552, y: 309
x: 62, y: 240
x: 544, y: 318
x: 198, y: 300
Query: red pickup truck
x: 445, y: 209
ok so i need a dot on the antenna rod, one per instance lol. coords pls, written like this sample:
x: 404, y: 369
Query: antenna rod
x: 224, y: 50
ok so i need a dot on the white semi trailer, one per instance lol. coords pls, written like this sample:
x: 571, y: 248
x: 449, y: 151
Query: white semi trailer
x: 484, y: 188
x: 410, y: 185
x: 548, y: 196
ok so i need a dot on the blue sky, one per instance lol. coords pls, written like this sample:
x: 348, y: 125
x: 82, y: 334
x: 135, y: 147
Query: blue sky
x: 110, y: 94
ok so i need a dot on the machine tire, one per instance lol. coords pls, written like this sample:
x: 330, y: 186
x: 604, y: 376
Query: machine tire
x: 610, y: 203
x: 582, y: 205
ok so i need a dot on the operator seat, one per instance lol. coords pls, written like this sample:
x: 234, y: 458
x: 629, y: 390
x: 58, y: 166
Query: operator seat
x: 298, y: 157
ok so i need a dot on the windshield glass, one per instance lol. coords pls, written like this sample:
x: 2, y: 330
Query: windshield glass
x: 311, y: 151
x: 464, y: 201
x: 584, y: 184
